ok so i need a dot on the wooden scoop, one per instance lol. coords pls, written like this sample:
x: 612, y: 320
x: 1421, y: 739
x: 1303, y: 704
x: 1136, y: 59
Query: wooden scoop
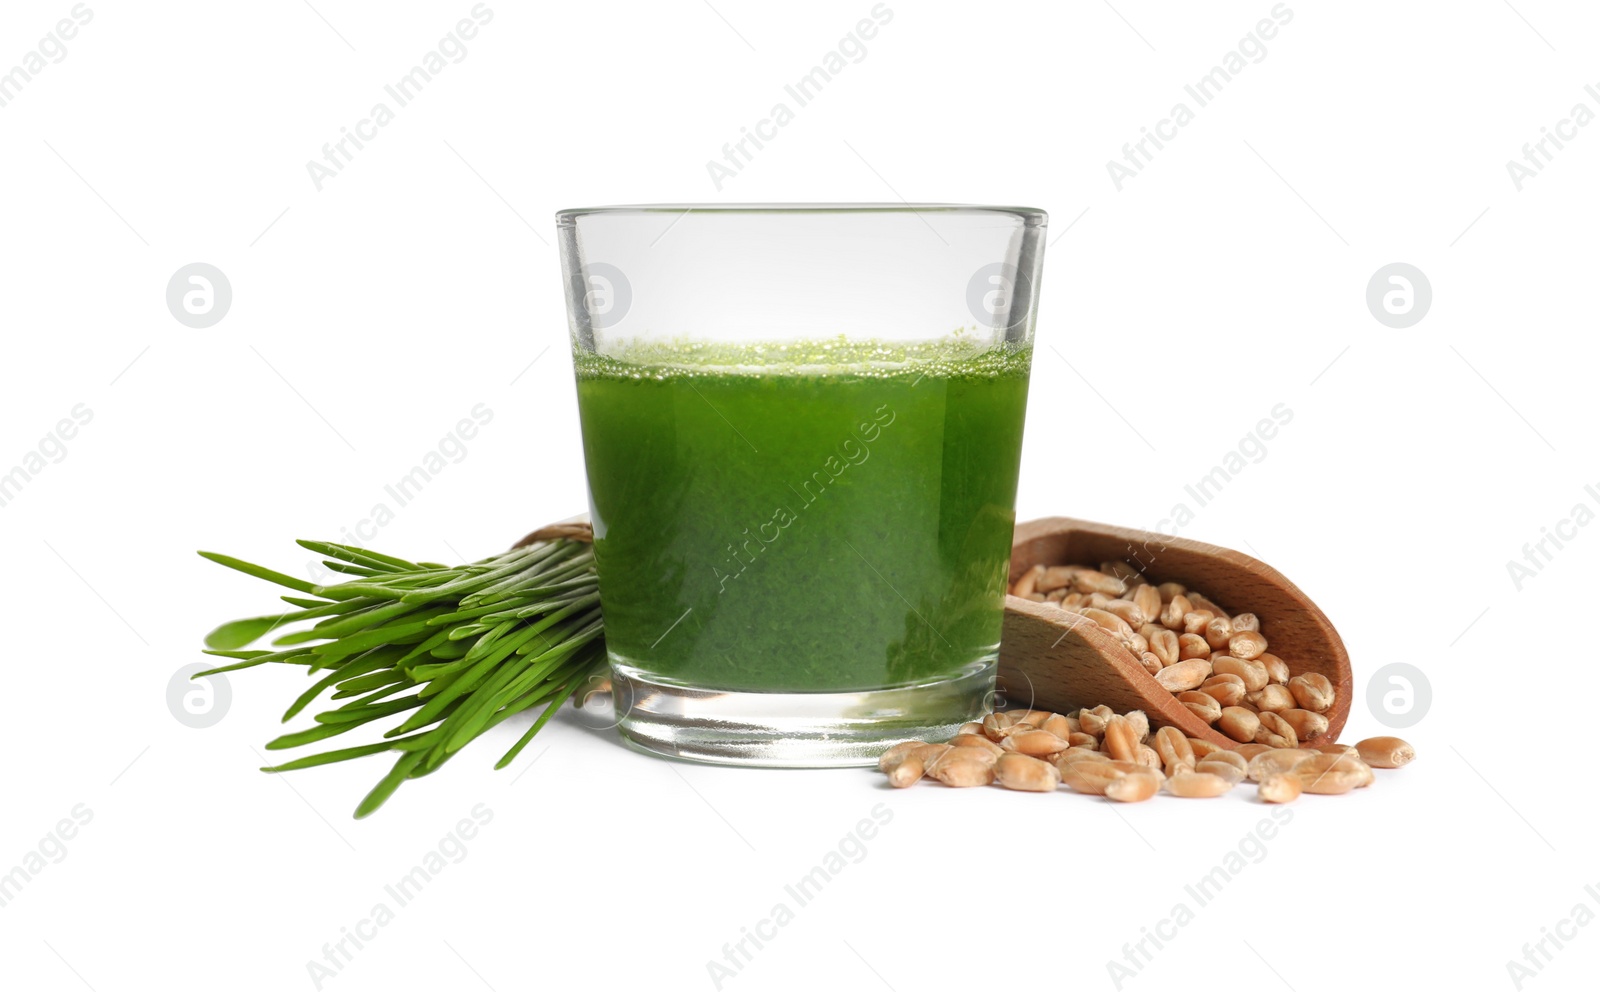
x: 1054, y: 660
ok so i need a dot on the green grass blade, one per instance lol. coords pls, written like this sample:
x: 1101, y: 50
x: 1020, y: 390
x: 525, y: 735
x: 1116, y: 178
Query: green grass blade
x: 538, y: 725
x: 385, y: 788
x: 343, y: 754
x: 358, y: 684
x: 240, y: 633
x: 345, y: 568
x: 311, y: 735
x: 344, y: 674
x: 358, y: 556
x: 370, y: 711
x: 250, y: 659
x: 289, y: 581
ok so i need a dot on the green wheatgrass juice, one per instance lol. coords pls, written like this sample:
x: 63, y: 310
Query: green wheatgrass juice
x: 819, y: 516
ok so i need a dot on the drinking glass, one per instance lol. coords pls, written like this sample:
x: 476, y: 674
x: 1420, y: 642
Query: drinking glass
x: 801, y: 430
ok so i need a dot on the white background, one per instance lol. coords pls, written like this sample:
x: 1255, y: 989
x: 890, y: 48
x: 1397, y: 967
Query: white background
x: 370, y: 316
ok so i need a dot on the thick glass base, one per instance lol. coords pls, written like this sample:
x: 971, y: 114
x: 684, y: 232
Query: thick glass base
x: 792, y: 729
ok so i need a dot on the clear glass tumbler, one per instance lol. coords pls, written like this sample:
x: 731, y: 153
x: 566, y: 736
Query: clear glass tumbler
x: 801, y: 427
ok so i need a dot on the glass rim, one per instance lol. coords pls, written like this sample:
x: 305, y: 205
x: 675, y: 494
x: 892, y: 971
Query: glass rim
x: 1030, y: 216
